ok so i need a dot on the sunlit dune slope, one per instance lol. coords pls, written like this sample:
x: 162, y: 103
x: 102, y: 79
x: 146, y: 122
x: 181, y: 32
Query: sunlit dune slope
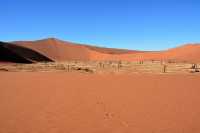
x: 57, y: 50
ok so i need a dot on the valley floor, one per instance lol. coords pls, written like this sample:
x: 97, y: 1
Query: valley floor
x: 52, y: 102
x: 122, y: 67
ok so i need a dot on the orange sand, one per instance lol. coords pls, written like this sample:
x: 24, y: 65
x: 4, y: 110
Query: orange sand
x: 81, y: 103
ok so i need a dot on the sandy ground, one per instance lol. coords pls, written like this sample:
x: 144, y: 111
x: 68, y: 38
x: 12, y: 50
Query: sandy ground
x: 35, y: 102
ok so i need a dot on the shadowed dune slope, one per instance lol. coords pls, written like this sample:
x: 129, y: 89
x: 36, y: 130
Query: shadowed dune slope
x: 57, y: 50
x: 12, y: 53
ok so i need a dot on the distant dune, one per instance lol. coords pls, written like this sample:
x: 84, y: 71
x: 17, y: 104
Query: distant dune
x: 56, y: 50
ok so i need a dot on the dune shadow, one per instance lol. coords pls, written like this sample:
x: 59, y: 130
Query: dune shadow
x: 18, y: 54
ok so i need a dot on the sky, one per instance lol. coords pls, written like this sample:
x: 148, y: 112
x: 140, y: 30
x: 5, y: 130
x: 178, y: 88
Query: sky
x: 129, y: 24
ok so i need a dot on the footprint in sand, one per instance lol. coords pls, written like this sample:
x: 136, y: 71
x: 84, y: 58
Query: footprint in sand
x: 108, y: 115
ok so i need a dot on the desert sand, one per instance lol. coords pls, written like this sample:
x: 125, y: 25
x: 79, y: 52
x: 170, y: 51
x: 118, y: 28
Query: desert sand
x: 91, y: 103
x: 54, y: 86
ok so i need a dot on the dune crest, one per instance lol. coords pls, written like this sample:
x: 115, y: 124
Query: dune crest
x: 58, y: 51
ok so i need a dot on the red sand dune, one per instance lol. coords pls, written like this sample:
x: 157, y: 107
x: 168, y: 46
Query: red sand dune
x: 77, y: 103
x: 189, y: 52
x: 58, y: 50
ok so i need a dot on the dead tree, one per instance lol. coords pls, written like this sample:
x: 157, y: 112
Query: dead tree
x: 101, y: 65
x: 68, y: 68
x: 194, y: 67
x: 164, y: 68
x: 141, y: 62
x: 119, y: 65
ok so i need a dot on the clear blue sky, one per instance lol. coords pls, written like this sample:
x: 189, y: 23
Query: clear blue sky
x: 133, y: 24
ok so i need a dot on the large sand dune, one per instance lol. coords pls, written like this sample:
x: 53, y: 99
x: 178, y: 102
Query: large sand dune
x: 57, y: 50
x: 81, y: 103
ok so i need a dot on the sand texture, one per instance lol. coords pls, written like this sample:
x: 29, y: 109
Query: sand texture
x: 93, y: 103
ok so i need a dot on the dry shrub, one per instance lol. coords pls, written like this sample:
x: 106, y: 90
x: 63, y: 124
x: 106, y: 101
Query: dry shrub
x: 194, y: 68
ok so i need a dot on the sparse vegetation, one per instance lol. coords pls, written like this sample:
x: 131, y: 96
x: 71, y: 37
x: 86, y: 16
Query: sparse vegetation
x: 3, y: 69
x: 194, y: 68
x: 119, y: 65
x: 164, y: 68
x: 105, y: 67
x: 141, y: 62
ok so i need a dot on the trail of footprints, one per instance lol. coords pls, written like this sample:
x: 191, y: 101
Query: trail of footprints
x: 108, y: 115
